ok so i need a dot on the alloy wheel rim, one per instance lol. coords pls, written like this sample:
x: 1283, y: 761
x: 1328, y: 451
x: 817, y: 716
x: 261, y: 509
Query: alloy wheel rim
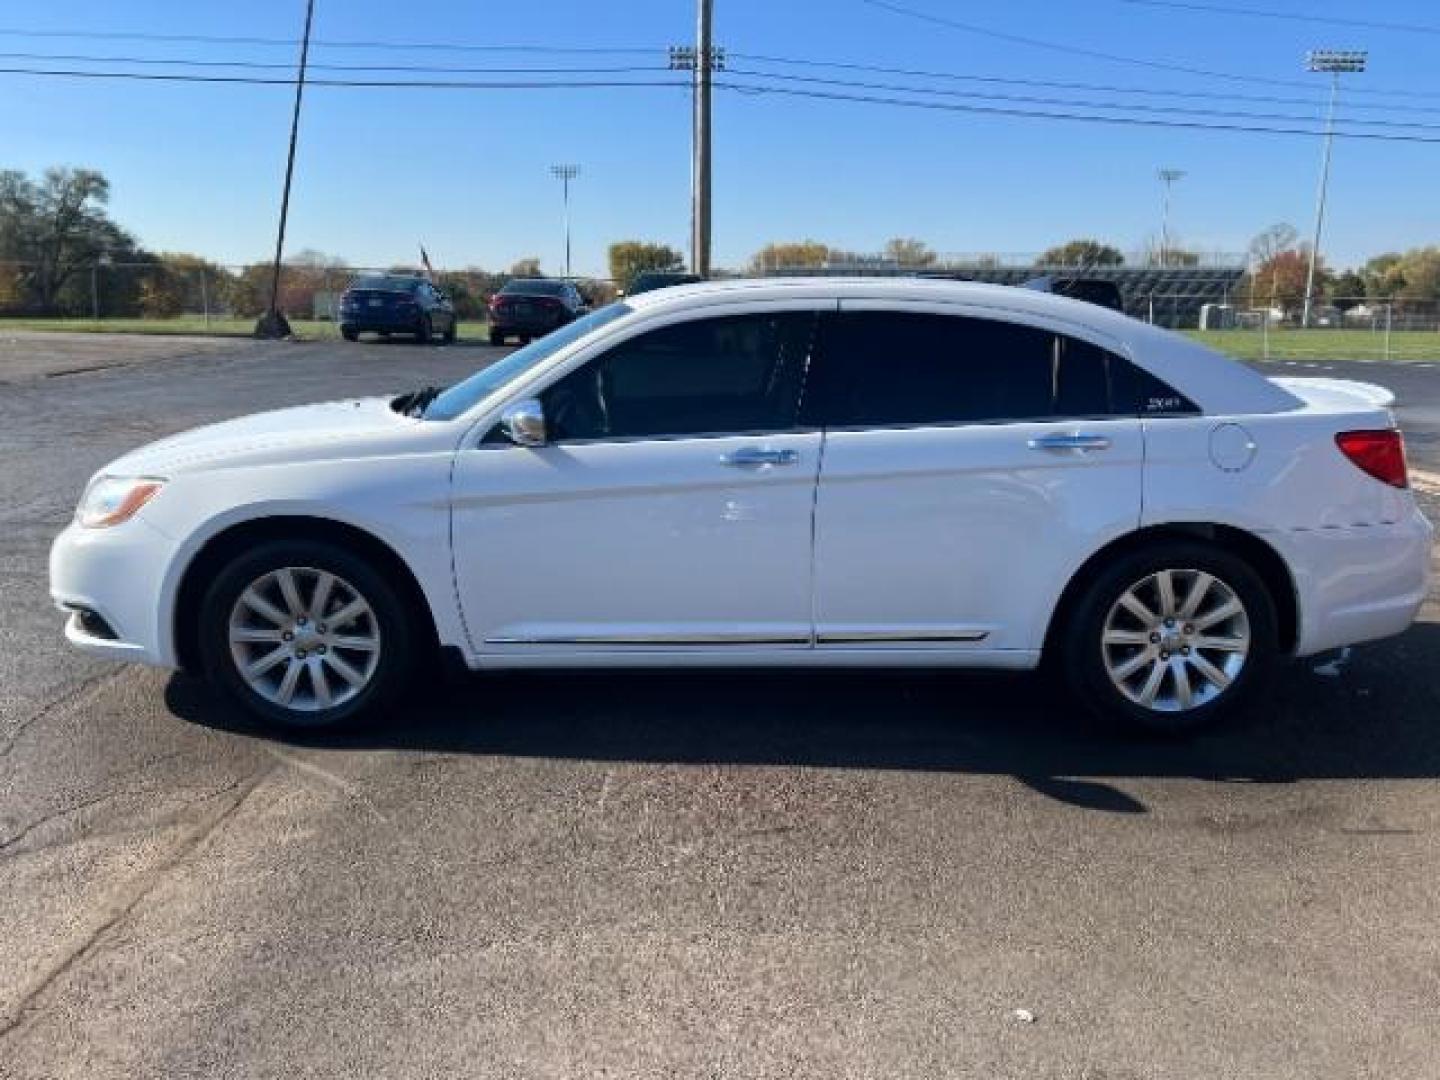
x: 304, y: 639
x: 1175, y: 640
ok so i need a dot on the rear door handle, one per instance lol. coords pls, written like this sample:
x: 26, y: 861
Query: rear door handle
x: 1075, y: 443
x: 751, y: 456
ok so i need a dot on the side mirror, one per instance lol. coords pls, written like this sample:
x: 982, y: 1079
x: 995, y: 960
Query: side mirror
x: 523, y: 422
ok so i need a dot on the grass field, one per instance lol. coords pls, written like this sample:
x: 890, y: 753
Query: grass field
x: 304, y: 329
x: 1323, y: 344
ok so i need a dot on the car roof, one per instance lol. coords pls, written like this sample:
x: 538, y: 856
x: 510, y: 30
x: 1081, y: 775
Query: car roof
x: 1218, y: 384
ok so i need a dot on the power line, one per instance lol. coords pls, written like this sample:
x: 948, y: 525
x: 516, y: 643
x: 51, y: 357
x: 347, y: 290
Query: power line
x: 1115, y: 58
x: 263, y: 65
x: 409, y: 84
x: 1073, y: 50
x: 1289, y: 16
x: 1107, y: 88
x: 1178, y: 110
x: 437, y: 69
x: 290, y: 43
x: 1038, y: 114
x: 760, y: 88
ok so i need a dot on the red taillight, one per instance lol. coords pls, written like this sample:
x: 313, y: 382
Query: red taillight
x: 1379, y: 453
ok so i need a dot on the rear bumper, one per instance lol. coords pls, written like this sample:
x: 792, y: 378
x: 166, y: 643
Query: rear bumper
x: 380, y: 320
x: 526, y: 324
x: 1358, y: 583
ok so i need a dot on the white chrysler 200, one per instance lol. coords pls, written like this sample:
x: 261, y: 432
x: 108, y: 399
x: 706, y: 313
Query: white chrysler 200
x: 801, y: 472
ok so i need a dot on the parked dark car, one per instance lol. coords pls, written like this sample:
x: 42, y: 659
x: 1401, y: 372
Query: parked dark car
x: 531, y: 307
x: 661, y: 279
x: 396, y: 304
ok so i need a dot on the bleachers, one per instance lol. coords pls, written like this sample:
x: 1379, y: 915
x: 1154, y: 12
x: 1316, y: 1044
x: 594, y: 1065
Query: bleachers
x: 1166, y: 295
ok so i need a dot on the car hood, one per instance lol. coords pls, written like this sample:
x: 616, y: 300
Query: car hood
x: 304, y: 433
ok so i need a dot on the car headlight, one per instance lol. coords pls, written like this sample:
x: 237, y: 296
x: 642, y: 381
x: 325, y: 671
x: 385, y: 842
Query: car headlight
x: 109, y: 500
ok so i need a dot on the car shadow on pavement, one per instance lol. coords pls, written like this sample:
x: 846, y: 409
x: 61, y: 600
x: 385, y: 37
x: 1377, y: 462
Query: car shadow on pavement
x: 1370, y: 715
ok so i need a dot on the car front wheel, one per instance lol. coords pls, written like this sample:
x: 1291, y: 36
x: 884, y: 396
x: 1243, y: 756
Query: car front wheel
x: 306, y: 635
x: 1171, y: 638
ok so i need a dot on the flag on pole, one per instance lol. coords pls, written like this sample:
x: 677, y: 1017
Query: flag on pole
x: 425, y: 262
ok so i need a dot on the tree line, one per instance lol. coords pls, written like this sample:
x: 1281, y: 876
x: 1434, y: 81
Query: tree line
x: 56, y: 236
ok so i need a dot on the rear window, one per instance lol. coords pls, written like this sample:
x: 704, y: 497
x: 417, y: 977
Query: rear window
x: 535, y: 288
x: 386, y: 283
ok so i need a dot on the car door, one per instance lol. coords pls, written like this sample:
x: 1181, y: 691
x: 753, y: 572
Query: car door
x: 670, y: 508
x: 971, y: 464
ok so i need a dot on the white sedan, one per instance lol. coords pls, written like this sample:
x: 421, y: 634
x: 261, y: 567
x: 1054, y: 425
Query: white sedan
x: 787, y: 472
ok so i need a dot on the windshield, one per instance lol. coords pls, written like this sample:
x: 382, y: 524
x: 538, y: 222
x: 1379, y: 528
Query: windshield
x: 534, y: 287
x: 466, y: 395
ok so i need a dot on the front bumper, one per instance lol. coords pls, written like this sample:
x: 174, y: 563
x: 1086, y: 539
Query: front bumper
x: 120, y: 574
x: 1359, y: 583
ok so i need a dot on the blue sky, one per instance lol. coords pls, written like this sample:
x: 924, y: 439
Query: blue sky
x: 198, y: 168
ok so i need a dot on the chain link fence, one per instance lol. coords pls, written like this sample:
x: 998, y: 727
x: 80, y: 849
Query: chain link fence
x: 193, y: 296
x: 1340, y: 328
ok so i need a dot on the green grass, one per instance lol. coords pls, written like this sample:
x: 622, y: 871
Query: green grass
x: 304, y: 329
x: 1292, y: 344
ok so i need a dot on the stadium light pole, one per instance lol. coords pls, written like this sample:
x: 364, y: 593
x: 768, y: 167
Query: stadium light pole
x: 1332, y: 62
x: 1168, y: 177
x: 566, y: 173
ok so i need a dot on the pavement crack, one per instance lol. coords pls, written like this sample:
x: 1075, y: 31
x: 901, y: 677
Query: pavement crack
x: 67, y: 698
x: 132, y: 897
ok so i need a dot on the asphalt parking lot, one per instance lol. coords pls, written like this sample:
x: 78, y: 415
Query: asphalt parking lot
x: 687, y: 874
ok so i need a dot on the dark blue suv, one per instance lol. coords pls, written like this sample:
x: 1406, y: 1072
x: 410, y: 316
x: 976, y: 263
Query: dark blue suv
x: 396, y: 304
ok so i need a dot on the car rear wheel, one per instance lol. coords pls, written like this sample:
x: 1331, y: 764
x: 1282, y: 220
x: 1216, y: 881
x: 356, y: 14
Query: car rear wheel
x: 1170, y: 639
x: 305, y: 634
x: 497, y: 338
x: 349, y: 333
x: 424, y: 331
x: 452, y: 331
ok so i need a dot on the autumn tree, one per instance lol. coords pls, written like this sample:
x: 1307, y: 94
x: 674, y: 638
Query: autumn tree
x: 792, y: 255
x: 1266, y: 244
x: 1280, y: 280
x: 909, y: 252
x: 526, y: 267
x: 631, y: 258
x: 1081, y: 253
x: 1348, y: 291
x: 178, y: 282
x: 57, y: 228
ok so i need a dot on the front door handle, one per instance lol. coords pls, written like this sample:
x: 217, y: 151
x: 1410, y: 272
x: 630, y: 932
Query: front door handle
x: 1075, y: 443
x: 751, y: 456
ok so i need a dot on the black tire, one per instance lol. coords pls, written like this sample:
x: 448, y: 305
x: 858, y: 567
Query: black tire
x: 452, y: 331
x: 1086, y: 659
x: 389, y: 617
x: 424, y: 331
x: 497, y: 338
x: 349, y: 333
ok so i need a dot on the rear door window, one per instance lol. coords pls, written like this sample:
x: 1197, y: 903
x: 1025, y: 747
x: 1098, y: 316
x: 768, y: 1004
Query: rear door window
x: 883, y: 368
